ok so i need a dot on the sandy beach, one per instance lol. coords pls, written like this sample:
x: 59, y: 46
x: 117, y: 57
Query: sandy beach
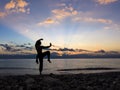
x: 96, y: 81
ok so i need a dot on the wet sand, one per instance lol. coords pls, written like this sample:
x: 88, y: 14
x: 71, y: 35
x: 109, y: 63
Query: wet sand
x: 96, y: 81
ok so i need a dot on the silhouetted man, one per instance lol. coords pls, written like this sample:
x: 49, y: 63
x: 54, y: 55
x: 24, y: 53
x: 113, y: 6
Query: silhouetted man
x: 40, y: 55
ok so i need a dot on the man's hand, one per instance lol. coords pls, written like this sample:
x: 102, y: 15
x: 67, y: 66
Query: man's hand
x: 41, y: 39
x: 50, y: 44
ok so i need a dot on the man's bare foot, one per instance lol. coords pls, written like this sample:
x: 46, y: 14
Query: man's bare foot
x: 49, y: 61
x: 40, y: 73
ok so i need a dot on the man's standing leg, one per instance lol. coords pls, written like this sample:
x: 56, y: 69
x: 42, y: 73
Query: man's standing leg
x: 40, y: 65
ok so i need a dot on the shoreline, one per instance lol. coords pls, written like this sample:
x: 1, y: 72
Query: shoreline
x: 27, y: 71
x: 93, y: 81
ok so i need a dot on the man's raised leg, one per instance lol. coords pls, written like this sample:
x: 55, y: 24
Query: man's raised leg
x: 48, y: 55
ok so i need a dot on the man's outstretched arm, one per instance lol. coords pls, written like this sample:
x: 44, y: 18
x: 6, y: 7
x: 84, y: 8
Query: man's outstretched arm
x: 44, y: 47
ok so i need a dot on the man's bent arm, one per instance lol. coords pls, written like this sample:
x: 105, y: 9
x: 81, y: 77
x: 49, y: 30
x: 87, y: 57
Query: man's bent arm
x: 44, y: 47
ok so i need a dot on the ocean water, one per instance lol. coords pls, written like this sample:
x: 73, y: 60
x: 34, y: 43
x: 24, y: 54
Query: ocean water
x: 58, y: 66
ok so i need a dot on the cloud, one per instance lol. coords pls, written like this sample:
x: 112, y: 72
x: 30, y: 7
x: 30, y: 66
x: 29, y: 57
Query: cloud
x: 25, y: 46
x: 94, y: 20
x: 60, y: 14
x: 100, y: 51
x: 61, y: 4
x: 65, y: 49
x: 81, y: 53
x: 48, y: 22
x: 57, y: 15
x: 6, y: 47
x: 113, y: 52
x: 69, y: 51
x: 10, y: 5
x: 2, y: 14
x: 17, y: 6
x: 26, y: 49
x: 103, y: 52
x: 21, y: 3
x: 112, y: 27
x: 104, y: 2
x: 16, y: 49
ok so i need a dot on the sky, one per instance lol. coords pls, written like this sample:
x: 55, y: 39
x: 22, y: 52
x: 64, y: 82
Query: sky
x: 87, y: 25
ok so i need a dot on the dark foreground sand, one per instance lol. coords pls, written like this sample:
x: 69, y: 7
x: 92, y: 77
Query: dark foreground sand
x: 98, y: 81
